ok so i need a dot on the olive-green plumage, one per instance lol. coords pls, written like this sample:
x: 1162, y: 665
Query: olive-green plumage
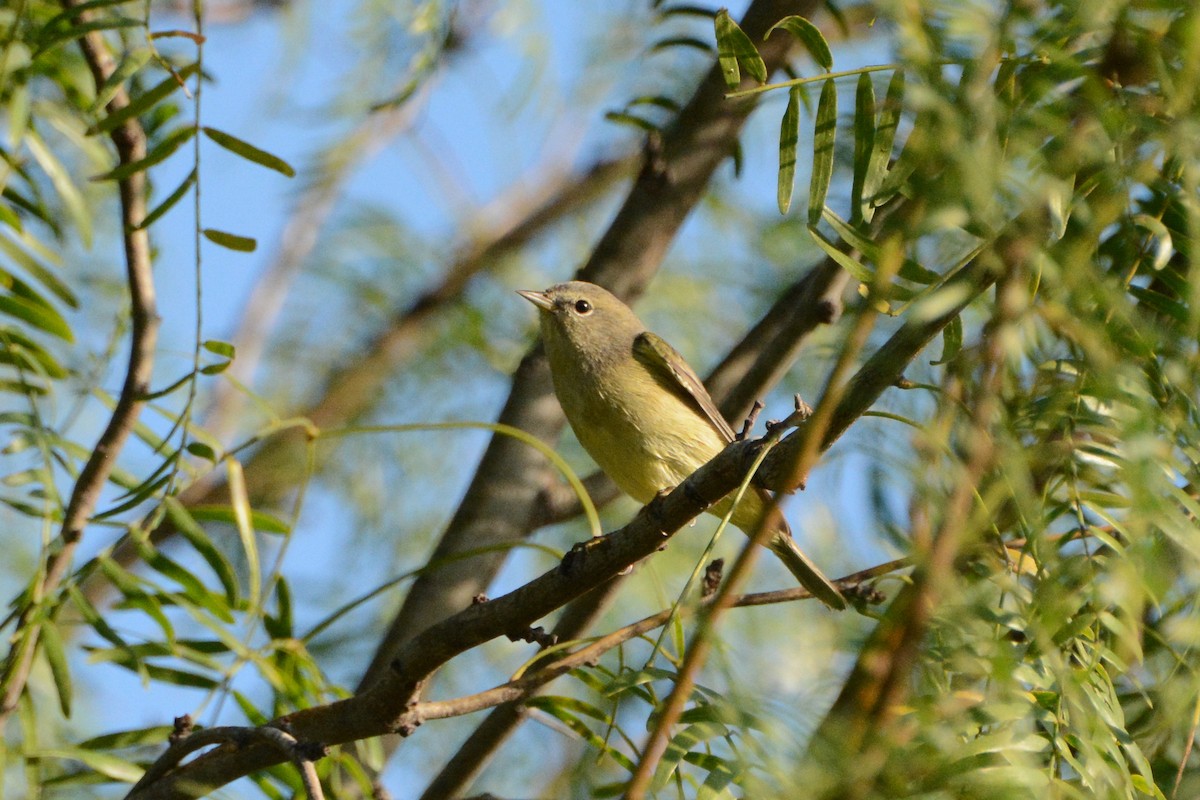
x: 641, y: 412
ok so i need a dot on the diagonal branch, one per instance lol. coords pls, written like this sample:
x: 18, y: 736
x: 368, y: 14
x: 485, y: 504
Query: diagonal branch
x: 505, y: 490
x: 750, y: 370
x: 130, y: 141
x: 384, y: 707
x: 278, y: 464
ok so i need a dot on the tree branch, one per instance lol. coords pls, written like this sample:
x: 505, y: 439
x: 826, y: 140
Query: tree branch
x: 278, y: 463
x: 505, y: 490
x: 130, y: 142
x: 381, y: 708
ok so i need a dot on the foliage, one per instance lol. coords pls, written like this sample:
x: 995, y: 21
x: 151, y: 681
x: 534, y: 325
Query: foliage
x: 1018, y: 181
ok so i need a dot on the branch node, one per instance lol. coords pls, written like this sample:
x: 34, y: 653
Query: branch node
x: 828, y: 311
x: 479, y: 599
x: 183, y: 729
x: 751, y: 418
x: 534, y: 635
x: 712, y: 578
x: 803, y: 409
x: 654, y: 164
x: 904, y: 383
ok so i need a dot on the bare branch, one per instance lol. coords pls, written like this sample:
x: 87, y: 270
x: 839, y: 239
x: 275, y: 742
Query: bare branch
x: 130, y: 142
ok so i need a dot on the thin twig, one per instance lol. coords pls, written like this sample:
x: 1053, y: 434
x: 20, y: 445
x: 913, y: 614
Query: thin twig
x: 130, y: 141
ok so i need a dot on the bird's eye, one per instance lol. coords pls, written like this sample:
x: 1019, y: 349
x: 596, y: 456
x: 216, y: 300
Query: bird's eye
x: 583, y: 307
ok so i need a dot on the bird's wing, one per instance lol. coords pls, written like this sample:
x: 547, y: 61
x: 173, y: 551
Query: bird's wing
x: 669, y: 367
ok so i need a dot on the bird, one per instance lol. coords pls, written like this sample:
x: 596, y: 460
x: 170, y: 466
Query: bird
x: 643, y: 415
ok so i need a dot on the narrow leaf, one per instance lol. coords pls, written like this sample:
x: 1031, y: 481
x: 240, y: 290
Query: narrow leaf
x: 143, y: 102
x: 735, y: 50
x: 884, y: 140
x: 789, y: 139
x: 856, y: 269
x: 169, y: 203
x: 249, y: 151
x: 39, y: 315
x: 133, y: 61
x: 239, y: 501
x: 56, y: 657
x: 809, y: 36
x: 824, y: 138
x: 241, y: 244
x: 220, y: 348
x: 952, y: 336
x: 110, y: 766
x: 161, y: 152
x: 864, y: 143
x: 60, y: 178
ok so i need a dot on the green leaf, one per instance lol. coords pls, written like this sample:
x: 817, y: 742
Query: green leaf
x: 262, y: 521
x: 1165, y: 248
x: 824, y: 138
x: 39, y: 315
x: 193, y: 589
x: 884, y: 141
x: 632, y: 120
x: 155, y: 735
x: 169, y: 203
x: 110, y: 766
x: 864, y: 143
x: 952, y: 336
x: 219, y: 348
x: 51, y: 38
x: 92, y: 617
x: 202, y: 450
x: 161, y: 152
x: 145, y: 101
x: 856, y: 269
x: 734, y: 50
x: 909, y: 269
x: 809, y: 36
x: 200, y: 541
x: 249, y: 151
x: 133, y: 61
x: 56, y: 657
x: 280, y: 625
x: 789, y: 139
x: 241, y: 244
x: 37, y: 270
x: 60, y: 178
x: 690, y: 42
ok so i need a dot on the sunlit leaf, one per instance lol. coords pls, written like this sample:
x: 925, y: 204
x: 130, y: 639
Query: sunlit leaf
x: 809, y: 36
x: 735, y: 51
x: 824, y: 139
x: 249, y: 151
x: 789, y: 138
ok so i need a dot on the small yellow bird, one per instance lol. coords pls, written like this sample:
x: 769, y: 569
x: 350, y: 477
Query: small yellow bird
x: 641, y: 412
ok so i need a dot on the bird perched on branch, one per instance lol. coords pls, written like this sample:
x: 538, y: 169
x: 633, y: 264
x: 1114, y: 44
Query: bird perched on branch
x: 643, y: 415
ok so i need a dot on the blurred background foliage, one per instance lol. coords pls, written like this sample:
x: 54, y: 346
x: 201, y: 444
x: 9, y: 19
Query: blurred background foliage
x: 1038, y: 465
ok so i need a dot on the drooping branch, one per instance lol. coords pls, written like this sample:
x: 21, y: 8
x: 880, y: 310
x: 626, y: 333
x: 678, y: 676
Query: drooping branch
x: 129, y: 140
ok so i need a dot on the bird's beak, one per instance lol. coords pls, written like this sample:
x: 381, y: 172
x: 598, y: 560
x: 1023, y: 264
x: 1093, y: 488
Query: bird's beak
x: 539, y: 299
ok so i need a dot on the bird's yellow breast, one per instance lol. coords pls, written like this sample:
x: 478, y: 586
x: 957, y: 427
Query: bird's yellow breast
x: 647, y: 439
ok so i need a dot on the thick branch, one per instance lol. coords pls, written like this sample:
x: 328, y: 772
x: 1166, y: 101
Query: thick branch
x: 130, y: 142
x: 505, y: 490
x: 382, y: 707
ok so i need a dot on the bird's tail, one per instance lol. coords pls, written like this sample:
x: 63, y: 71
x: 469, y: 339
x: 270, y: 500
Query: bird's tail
x: 784, y: 546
